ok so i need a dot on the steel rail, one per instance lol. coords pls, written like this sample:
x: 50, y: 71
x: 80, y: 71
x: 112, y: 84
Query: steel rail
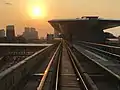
x: 108, y: 48
x: 102, y: 66
x: 41, y: 85
x: 108, y: 71
x: 98, y: 44
x: 72, y: 57
x: 58, y: 69
x: 105, y: 52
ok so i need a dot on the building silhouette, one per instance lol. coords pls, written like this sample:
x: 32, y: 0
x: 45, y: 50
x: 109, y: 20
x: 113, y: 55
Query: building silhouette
x: 10, y: 32
x: 30, y: 33
x: 50, y: 37
x: 2, y: 33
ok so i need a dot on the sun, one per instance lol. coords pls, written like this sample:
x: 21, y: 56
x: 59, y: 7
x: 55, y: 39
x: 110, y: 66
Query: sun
x: 37, y: 12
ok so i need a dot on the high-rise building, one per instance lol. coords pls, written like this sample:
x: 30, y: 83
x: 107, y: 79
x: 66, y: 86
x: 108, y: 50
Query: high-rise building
x: 2, y: 33
x: 10, y: 32
x: 30, y: 33
x: 26, y: 29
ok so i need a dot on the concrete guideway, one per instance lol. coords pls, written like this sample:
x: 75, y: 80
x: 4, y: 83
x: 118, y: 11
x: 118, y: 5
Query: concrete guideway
x: 68, y: 78
x: 62, y: 67
x: 11, y: 76
x: 64, y: 73
x: 102, y: 71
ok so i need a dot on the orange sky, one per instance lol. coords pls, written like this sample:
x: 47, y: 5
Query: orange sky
x: 18, y: 12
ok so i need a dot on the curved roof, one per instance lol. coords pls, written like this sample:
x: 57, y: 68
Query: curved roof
x: 99, y: 22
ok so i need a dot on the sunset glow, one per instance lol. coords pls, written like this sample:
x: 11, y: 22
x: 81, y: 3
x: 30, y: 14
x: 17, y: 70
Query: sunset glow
x: 36, y: 12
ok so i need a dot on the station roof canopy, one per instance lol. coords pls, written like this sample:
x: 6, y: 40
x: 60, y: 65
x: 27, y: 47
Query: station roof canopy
x: 87, y: 20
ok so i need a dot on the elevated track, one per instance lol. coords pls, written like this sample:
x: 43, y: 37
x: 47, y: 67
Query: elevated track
x: 61, y: 66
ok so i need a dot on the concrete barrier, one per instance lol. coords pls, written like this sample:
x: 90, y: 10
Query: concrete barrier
x: 11, y: 76
x: 108, y: 48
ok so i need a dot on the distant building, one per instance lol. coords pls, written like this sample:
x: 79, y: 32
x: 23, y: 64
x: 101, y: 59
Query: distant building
x: 50, y: 37
x: 10, y: 32
x: 90, y: 17
x: 20, y: 39
x: 56, y: 34
x: 2, y: 33
x: 30, y: 33
x: 26, y: 29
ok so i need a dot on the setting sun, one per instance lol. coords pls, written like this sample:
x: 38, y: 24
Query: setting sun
x: 37, y: 12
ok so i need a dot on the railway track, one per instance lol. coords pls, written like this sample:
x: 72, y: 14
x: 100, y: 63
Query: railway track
x: 64, y: 73
x: 106, y: 48
x: 10, y: 78
x: 69, y: 75
x: 32, y: 80
x: 64, y: 68
x: 13, y: 54
x: 73, y: 69
x: 104, y: 73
